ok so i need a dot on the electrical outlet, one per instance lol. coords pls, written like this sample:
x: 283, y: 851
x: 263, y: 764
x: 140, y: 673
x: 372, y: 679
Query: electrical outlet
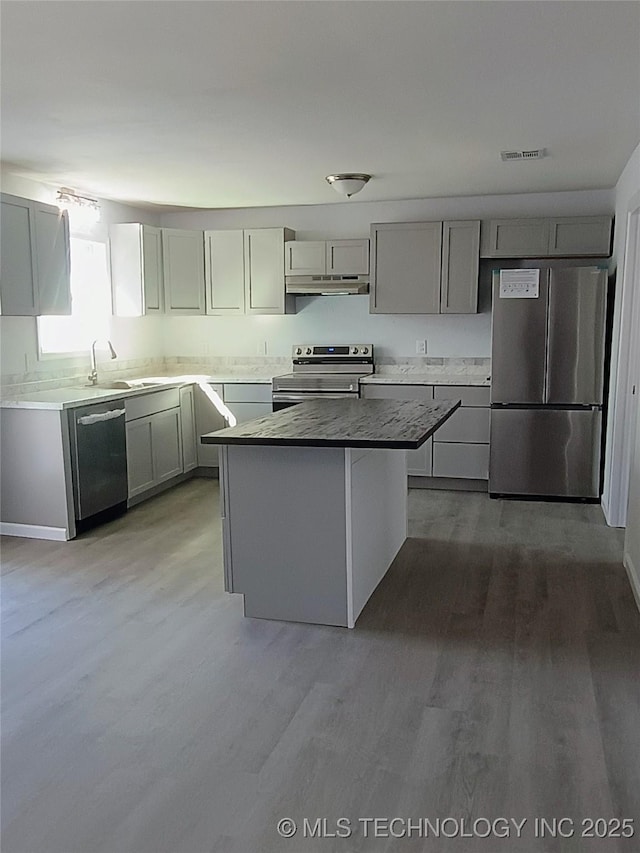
x: 261, y: 348
x: 421, y: 347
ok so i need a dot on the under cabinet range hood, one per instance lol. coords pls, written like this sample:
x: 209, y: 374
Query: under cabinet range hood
x: 327, y: 285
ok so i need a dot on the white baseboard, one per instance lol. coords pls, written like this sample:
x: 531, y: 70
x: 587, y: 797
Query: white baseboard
x: 34, y: 531
x: 634, y: 577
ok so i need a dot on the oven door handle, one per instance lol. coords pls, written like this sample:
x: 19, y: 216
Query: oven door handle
x: 300, y: 398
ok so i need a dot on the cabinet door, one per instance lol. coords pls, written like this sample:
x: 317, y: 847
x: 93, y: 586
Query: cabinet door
x: 264, y: 271
x: 167, y: 445
x: 52, y: 259
x: 183, y: 264
x: 18, y: 293
x: 516, y: 238
x: 208, y: 419
x: 466, y: 425
x: 306, y: 257
x: 136, y: 269
x: 460, y: 262
x: 152, y: 277
x: 580, y: 235
x: 188, y: 429
x: 347, y: 257
x: 224, y: 272
x: 406, y: 263
x: 140, y: 473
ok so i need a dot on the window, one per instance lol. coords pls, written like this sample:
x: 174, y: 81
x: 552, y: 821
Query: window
x: 91, y: 302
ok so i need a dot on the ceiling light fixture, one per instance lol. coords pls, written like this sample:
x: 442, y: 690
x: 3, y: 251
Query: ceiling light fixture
x: 347, y: 184
x: 83, y: 211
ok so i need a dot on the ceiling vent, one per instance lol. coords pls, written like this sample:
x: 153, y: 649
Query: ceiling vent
x: 531, y: 154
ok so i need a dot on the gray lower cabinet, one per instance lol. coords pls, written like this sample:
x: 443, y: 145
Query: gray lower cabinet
x: 461, y: 445
x: 36, y: 271
x: 154, y: 439
x: 248, y: 400
x: 460, y: 448
x: 461, y: 461
x: 208, y: 401
x: 579, y: 236
x: 418, y: 461
x: 425, y: 267
x: 140, y: 470
x: 188, y: 428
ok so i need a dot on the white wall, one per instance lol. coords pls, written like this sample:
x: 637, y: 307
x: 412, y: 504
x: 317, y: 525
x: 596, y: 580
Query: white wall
x: 623, y: 408
x: 347, y: 318
x: 616, y: 459
x: 133, y: 338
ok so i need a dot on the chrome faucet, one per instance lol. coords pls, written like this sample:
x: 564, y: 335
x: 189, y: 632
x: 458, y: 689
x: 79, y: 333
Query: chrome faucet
x: 93, y: 376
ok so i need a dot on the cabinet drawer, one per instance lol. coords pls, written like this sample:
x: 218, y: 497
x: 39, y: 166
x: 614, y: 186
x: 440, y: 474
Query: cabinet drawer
x: 148, y: 404
x: 248, y: 411
x: 397, y: 392
x: 470, y: 395
x: 247, y: 392
x: 466, y: 425
x: 470, y: 461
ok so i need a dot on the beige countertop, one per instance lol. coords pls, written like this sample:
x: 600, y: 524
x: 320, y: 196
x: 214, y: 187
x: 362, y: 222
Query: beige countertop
x: 427, y: 379
x: 72, y: 396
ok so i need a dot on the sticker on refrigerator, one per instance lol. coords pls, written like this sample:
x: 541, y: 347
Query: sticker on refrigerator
x: 519, y: 284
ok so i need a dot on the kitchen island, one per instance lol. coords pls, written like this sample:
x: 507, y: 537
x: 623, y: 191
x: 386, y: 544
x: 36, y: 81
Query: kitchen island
x: 314, y: 503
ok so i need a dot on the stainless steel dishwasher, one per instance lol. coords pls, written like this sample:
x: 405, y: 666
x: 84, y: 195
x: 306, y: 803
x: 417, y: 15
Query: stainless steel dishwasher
x: 98, y: 462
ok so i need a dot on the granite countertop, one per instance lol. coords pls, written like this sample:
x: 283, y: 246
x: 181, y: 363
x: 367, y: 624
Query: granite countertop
x: 426, y: 379
x: 72, y: 396
x: 391, y: 424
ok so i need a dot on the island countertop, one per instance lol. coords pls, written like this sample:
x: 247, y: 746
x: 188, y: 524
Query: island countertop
x: 390, y: 424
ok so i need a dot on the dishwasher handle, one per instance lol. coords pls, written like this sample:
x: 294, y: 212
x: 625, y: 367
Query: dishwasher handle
x: 87, y: 420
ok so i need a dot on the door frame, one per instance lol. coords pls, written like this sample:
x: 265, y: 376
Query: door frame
x: 623, y: 404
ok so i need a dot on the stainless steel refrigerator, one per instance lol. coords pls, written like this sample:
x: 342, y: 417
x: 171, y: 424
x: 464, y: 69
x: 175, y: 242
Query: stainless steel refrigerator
x: 547, y: 379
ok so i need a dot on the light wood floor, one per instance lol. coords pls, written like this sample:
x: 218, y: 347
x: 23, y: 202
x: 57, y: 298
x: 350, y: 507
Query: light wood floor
x: 495, y: 672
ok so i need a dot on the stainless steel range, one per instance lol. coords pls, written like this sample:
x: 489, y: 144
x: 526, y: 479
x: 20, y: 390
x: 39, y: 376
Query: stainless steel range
x: 323, y: 373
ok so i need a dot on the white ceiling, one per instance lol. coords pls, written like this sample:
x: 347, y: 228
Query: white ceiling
x: 242, y: 104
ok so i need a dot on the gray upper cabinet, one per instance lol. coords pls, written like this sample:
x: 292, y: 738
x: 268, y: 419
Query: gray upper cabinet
x: 347, y: 257
x: 183, y: 266
x: 264, y: 271
x: 136, y: 269
x: 579, y: 236
x: 305, y: 257
x: 405, y: 267
x: 224, y: 272
x: 460, y: 264
x: 425, y: 267
x: 36, y: 272
x: 327, y: 257
x: 515, y: 238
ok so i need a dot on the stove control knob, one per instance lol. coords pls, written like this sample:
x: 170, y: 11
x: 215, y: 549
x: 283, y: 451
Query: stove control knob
x: 365, y: 350
x: 308, y: 351
x: 354, y: 350
x: 298, y: 350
